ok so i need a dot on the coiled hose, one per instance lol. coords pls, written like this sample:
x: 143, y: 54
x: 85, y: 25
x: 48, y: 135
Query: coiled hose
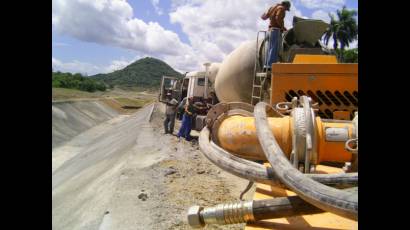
x: 252, y: 171
x: 324, y: 197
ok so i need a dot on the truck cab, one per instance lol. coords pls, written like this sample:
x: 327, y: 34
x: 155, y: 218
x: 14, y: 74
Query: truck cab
x: 198, y: 86
x: 194, y: 84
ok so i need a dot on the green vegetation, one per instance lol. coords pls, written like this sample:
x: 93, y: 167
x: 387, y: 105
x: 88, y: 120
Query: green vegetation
x: 342, y: 30
x: 348, y: 56
x: 128, y: 102
x: 76, y: 81
x: 145, y: 73
x: 64, y: 94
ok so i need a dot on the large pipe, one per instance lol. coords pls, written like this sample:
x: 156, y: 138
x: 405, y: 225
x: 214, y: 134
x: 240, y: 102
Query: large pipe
x: 237, y: 134
x: 329, y: 199
x: 252, y: 171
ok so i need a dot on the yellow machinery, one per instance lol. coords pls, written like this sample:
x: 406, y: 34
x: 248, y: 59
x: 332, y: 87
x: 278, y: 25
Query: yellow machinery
x: 330, y: 84
x: 312, y: 120
x: 322, y: 79
x: 330, y: 147
x: 333, y: 87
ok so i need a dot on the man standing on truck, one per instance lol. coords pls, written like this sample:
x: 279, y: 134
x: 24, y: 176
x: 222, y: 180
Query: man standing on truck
x: 276, y: 14
x: 170, y: 112
x: 186, y: 126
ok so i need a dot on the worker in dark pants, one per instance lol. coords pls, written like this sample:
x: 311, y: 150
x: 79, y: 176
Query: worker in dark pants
x: 170, y: 112
x: 276, y: 14
x: 185, y: 130
x: 214, y: 98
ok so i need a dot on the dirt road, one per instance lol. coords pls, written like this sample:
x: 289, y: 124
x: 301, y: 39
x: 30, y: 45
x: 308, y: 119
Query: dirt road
x: 126, y: 174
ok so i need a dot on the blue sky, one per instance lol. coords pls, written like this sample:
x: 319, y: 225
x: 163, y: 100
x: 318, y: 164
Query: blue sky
x: 100, y: 36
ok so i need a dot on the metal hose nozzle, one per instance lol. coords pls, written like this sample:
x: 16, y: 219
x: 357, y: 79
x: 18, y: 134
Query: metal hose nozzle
x: 231, y: 213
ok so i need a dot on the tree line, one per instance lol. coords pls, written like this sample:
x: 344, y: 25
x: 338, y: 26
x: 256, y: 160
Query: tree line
x: 76, y: 81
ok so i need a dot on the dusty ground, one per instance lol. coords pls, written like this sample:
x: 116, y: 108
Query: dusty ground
x: 194, y: 180
x: 126, y: 174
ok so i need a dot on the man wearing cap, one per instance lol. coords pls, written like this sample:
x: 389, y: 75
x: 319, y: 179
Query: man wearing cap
x: 170, y: 111
x: 276, y: 14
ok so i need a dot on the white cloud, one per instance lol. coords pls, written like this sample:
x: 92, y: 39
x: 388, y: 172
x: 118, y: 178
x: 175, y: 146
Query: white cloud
x: 322, y: 15
x: 177, y: 3
x: 88, y: 68
x: 117, y: 65
x: 322, y: 4
x: 215, y: 28
x: 111, y: 22
x: 352, y: 45
x: 75, y: 67
x: 155, y: 3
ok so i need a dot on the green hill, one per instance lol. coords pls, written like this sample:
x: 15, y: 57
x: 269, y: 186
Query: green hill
x: 144, y: 73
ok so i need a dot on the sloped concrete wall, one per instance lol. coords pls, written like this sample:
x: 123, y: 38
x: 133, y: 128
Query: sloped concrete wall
x: 71, y: 118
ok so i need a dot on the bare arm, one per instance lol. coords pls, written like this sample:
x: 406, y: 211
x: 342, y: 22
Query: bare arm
x: 267, y: 14
x: 186, y: 110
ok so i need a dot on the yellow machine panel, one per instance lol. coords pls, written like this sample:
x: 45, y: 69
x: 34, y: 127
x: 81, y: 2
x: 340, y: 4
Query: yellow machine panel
x: 306, y: 59
x: 332, y: 85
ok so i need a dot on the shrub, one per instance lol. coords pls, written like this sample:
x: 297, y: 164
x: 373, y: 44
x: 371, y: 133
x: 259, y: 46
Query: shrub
x: 76, y: 81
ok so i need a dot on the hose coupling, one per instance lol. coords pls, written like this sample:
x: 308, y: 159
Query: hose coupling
x: 231, y: 213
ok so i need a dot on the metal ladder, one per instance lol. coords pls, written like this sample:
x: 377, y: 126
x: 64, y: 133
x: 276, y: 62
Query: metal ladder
x: 259, y: 76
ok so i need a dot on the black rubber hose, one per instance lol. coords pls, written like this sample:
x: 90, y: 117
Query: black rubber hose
x: 285, y: 207
x: 282, y: 207
x: 252, y: 171
x: 324, y: 197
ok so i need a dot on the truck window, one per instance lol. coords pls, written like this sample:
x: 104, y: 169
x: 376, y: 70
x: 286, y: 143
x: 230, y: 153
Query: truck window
x: 169, y: 83
x: 201, y: 82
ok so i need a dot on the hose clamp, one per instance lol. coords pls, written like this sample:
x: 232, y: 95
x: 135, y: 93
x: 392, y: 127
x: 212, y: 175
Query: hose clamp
x: 304, y: 139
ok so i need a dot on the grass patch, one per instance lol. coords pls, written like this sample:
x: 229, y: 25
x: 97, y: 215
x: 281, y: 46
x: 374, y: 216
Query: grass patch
x: 63, y: 93
x: 118, y: 98
x: 129, y: 103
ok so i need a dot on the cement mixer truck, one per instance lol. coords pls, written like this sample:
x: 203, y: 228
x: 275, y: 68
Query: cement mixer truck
x: 240, y: 77
x: 300, y: 119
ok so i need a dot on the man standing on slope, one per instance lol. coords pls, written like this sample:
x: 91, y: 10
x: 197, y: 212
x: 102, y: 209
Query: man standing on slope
x: 170, y: 112
x: 276, y: 14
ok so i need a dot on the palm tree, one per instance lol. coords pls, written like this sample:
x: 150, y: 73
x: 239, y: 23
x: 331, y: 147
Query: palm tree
x: 342, y: 30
